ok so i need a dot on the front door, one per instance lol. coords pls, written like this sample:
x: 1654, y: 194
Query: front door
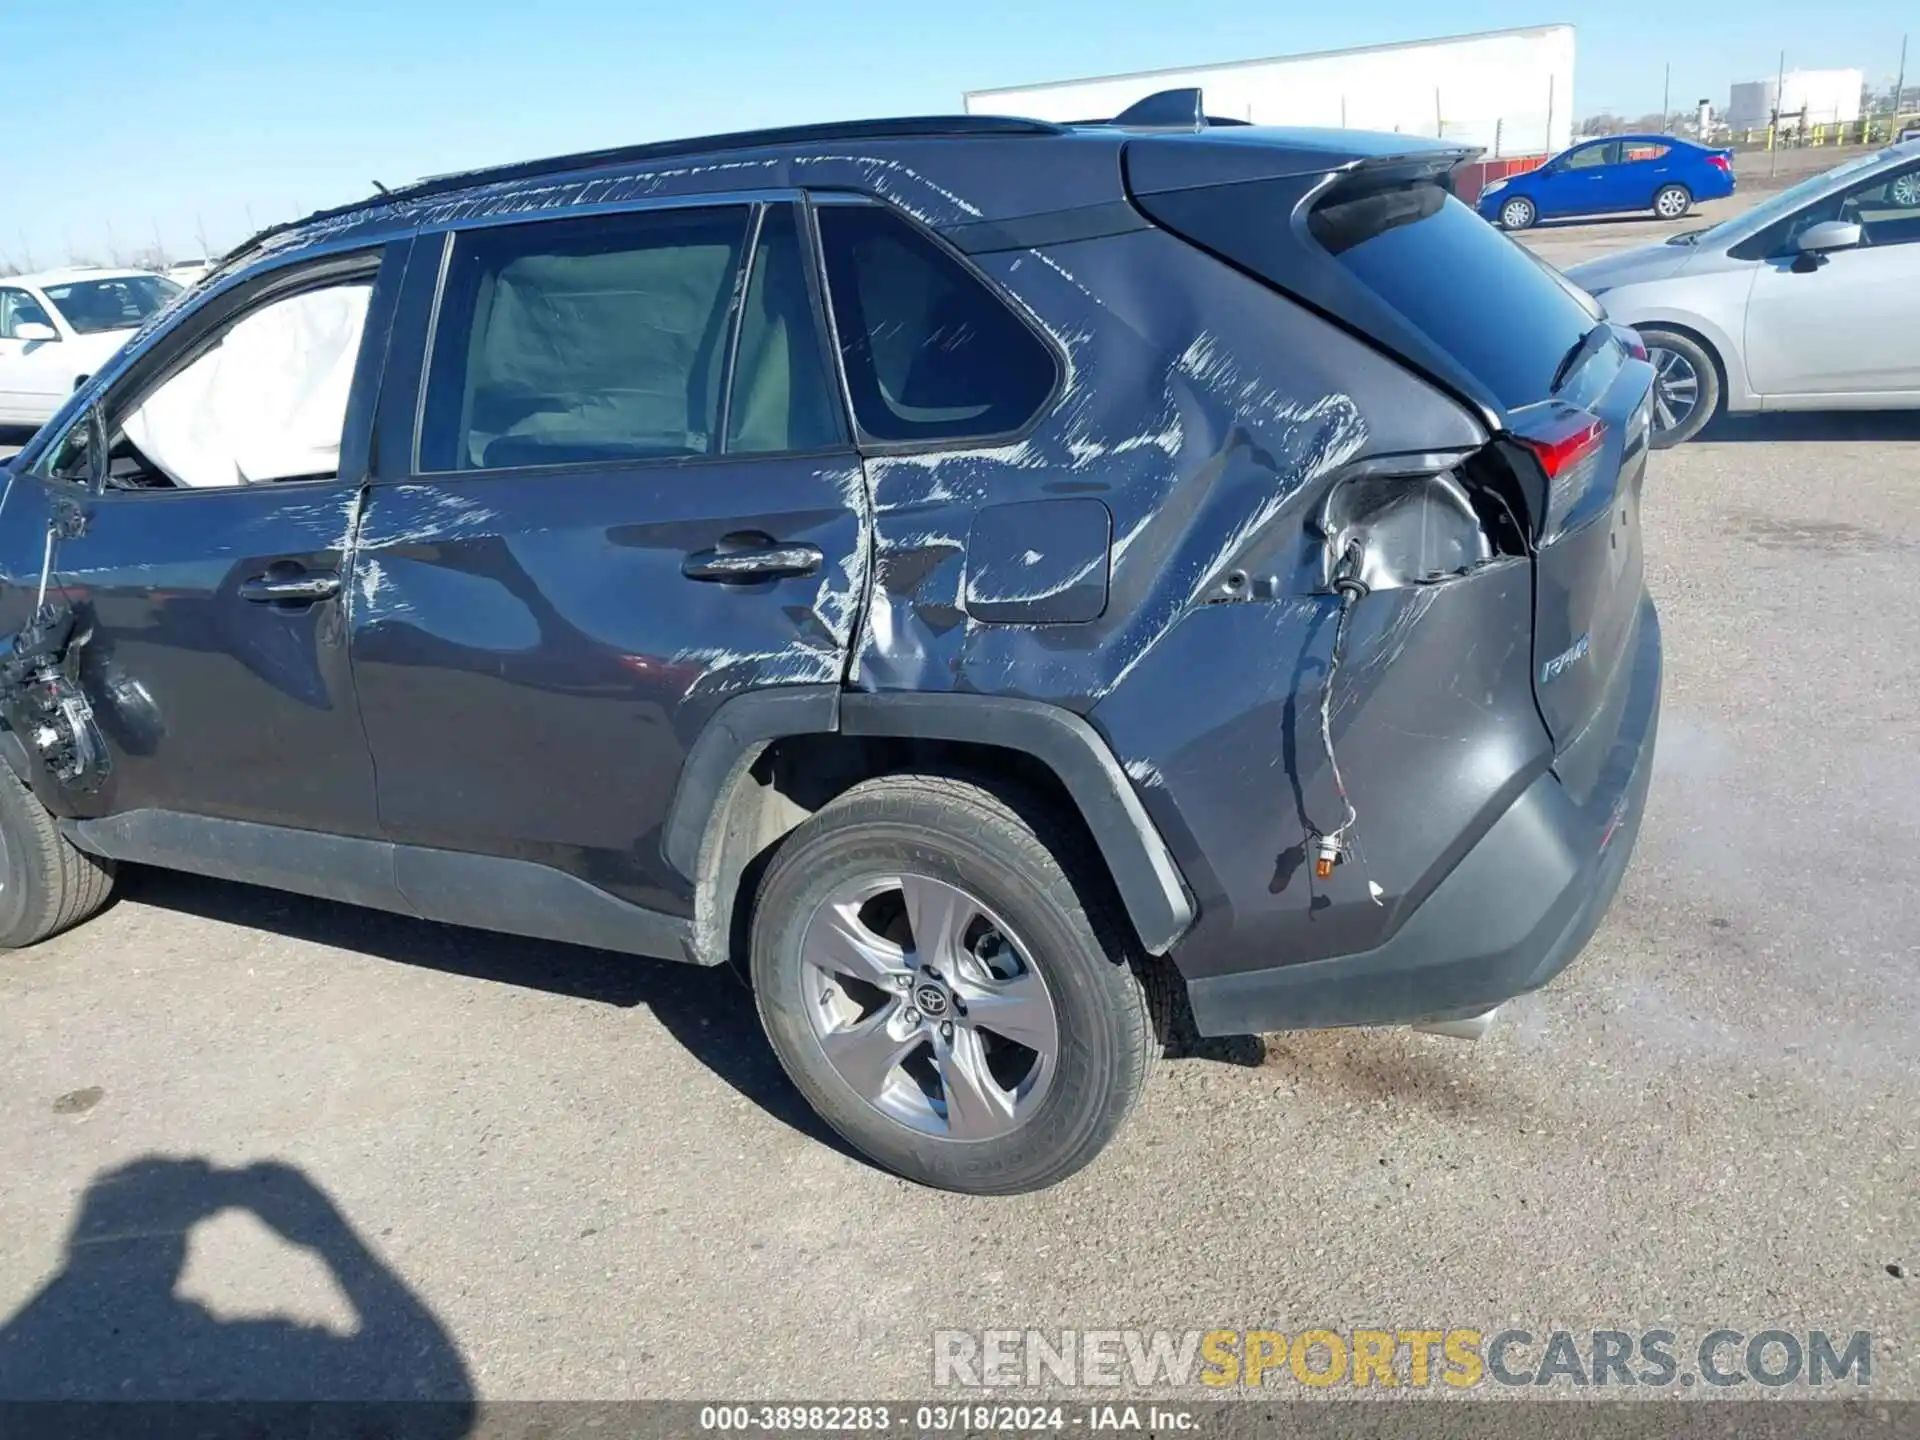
x: 1844, y: 322
x: 33, y: 381
x: 206, y: 578
x: 1582, y: 180
x: 630, y: 499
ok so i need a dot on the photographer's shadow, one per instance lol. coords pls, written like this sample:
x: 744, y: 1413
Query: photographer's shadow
x: 112, y: 1325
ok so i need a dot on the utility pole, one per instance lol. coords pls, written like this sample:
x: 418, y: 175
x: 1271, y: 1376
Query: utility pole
x: 1666, y: 97
x: 1546, y: 146
x: 1773, y: 135
x: 1900, y: 85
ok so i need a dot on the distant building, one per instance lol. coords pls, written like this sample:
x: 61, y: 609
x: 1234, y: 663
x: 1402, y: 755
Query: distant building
x: 1827, y: 97
x: 1504, y: 90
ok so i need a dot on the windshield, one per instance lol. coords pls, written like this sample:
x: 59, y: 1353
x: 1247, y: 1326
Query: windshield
x: 1765, y: 213
x: 118, y: 302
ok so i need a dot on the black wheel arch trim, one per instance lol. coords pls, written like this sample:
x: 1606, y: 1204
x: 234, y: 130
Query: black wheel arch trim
x: 1137, y: 857
x: 730, y: 741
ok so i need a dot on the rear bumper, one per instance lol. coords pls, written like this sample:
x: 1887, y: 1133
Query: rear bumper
x: 1515, y: 911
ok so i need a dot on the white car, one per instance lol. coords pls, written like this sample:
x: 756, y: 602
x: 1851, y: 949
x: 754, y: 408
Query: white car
x: 58, y: 327
x: 1808, y: 301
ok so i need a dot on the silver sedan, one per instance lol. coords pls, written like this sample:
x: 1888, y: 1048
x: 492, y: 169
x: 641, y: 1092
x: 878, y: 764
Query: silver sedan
x: 1808, y: 301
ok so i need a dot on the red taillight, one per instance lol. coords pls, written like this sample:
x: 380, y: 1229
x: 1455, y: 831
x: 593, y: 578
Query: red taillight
x: 1567, y: 444
x: 1720, y: 162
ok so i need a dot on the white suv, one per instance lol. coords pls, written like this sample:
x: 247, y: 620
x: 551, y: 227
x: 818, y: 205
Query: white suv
x: 58, y: 327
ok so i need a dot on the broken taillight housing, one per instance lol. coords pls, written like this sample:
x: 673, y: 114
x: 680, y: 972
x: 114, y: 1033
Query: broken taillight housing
x: 1570, y: 447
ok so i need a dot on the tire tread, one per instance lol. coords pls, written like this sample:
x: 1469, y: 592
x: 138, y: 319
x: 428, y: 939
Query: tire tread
x: 62, y: 885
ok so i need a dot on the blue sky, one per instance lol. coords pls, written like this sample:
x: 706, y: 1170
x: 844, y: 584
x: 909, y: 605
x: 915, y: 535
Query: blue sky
x: 124, y: 117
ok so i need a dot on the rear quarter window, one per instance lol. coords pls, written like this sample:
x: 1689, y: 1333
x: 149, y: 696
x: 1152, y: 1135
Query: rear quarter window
x: 930, y: 351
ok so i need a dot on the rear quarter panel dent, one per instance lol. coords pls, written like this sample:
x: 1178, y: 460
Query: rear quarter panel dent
x: 1200, y: 408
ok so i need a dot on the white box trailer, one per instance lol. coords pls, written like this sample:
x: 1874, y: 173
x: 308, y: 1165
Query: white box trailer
x: 1508, y: 91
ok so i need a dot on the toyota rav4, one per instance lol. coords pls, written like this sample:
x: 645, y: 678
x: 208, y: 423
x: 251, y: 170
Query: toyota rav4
x: 983, y: 576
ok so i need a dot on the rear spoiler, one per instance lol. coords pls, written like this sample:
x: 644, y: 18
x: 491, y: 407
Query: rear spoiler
x: 1166, y: 110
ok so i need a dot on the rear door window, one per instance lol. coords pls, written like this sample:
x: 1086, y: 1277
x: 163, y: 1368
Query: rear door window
x: 571, y: 341
x: 1588, y: 156
x: 931, y: 352
x: 1478, y: 296
x: 783, y: 394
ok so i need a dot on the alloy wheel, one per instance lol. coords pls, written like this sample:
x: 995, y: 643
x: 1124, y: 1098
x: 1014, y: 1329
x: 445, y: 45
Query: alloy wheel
x: 1516, y: 214
x: 1676, y: 387
x: 929, y: 1007
x: 1670, y: 204
x: 1906, y: 190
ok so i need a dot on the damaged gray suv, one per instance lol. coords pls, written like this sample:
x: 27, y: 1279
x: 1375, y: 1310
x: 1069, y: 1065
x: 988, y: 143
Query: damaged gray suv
x: 1002, y: 583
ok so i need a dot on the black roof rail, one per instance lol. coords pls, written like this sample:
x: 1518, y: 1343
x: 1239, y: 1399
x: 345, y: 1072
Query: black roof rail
x: 899, y: 128
x: 1167, y: 110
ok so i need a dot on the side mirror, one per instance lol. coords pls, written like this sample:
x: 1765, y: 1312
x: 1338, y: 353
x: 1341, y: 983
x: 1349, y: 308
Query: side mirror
x: 1829, y: 235
x: 33, y: 331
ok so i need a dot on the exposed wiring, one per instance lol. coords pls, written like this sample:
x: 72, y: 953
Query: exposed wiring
x: 46, y: 568
x: 1330, y: 845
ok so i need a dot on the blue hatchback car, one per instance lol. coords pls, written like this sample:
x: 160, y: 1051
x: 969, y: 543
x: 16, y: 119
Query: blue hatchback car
x: 1614, y: 175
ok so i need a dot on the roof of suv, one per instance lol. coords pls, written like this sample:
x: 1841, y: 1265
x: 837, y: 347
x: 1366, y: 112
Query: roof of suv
x: 1285, y: 150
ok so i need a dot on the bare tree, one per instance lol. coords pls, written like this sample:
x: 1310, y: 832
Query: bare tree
x: 1604, y: 123
x: 149, y: 257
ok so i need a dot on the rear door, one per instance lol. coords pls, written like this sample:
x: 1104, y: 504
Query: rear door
x: 1645, y: 165
x: 630, y: 498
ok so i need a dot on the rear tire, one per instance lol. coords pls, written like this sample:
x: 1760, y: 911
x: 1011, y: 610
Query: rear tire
x: 46, y: 885
x: 1672, y: 202
x: 1518, y: 213
x: 1686, y: 386
x: 873, y: 927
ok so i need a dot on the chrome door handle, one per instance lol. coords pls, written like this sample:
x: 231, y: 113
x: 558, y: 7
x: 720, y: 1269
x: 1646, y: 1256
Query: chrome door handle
x: 304, y: 589
x: 758, y: 562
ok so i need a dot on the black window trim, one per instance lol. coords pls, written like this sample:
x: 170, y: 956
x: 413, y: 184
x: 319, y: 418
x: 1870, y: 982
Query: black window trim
x: 756, y: 202
x: 865, y: 443
x: 160, y: 358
